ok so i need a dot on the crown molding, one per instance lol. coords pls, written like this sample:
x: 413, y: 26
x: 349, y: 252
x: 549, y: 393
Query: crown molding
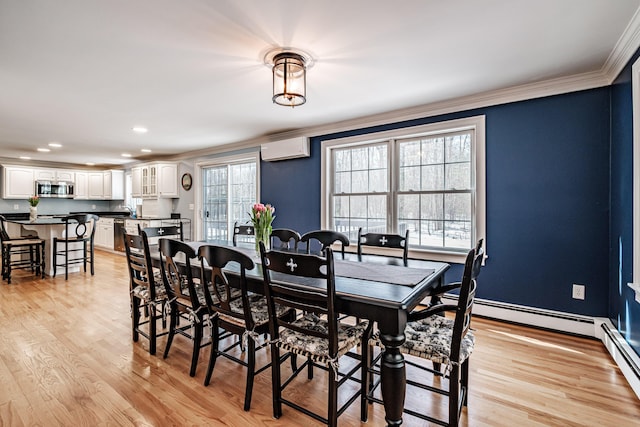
x: 624, y: 49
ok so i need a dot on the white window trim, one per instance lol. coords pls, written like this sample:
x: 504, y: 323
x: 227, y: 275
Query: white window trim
x: 476, y: 122
x: 635, y: 83
x: 219, y: 161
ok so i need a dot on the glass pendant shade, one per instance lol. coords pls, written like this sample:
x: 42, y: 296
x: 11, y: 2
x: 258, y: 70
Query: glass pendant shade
x: 289, y: 79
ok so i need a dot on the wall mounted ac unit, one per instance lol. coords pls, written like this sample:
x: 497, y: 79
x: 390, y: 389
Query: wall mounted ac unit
x: 285, y: 149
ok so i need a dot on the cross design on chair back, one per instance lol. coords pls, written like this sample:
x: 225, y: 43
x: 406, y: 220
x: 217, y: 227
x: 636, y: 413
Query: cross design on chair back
x: 161, y: 231
x: 383, y: 240
x: 292, y: 265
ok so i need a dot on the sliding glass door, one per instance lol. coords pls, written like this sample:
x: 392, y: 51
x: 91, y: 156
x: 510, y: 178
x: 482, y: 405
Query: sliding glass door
x: 228, y: 192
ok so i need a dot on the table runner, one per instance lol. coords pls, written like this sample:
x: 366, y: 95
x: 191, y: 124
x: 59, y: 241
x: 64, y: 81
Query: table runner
x: 394, y: 274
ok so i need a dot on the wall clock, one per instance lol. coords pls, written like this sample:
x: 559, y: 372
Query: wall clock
x: 187, y: 181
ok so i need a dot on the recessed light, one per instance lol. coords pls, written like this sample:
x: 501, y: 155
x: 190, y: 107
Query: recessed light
x: 140, y: 129
x: 145, y: 150
x: 43, y: 150
x: 126, y: 155
x: 55, y: 144
x: 90, y: 164
x: 25, y: 157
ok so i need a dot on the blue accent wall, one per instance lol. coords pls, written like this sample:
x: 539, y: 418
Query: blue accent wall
x: 624, y: 311
x: 547, y: 198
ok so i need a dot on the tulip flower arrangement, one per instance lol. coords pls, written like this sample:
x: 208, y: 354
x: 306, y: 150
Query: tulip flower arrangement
x: 262, y: 216
x: 33, y: 201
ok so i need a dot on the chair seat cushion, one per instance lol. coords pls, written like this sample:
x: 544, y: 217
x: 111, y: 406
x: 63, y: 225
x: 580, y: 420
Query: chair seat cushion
x: 259, y: 311
x: 142, y: 292
x: 430, y: 339
x: 316, y: 348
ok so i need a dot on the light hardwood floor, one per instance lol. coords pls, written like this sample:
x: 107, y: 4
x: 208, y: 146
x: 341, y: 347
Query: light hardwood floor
x: 67, y: 358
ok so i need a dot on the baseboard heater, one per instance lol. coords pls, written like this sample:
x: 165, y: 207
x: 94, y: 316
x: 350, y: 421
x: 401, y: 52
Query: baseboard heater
x: 531, y: 316
x: 596, y: 327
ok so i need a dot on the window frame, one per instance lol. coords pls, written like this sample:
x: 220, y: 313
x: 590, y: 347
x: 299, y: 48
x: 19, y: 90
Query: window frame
x: 222, y: 160
x: 475, y: 123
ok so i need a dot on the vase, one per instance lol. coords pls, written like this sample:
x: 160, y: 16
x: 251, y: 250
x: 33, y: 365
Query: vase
x: 33, y: 213
x: 262, y: 236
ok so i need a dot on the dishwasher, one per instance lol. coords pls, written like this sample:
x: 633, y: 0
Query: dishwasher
x: 118, y: 236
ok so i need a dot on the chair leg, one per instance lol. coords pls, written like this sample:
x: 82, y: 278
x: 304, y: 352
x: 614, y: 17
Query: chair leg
x: 66, y: 260
x: 251, y: 369
x: 172, y: 330
x: 213, y: 355
x: 276, y: 389
x: 91, y: 258
x: 135, y: 317
x: 464, y: 380
x: 43, y: 263
x: 365, y: 363
x: 454, y: 395
x: 309, y: 369
x: 55, y: 257
x: 197, y: 339
x: 332, y: 410
x: 152, y: 328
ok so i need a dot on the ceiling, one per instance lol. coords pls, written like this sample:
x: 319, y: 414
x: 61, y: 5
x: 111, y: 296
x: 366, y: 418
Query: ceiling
x: 83, y: 73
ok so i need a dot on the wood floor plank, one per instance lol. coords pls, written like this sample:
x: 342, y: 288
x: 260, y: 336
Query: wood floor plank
x: 67, y: 359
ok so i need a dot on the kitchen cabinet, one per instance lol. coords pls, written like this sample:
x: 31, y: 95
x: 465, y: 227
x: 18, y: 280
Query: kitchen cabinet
x: 106, y: 185
x: 136, y: 182
x: 17, y: 182
x: 81, y: 190
x: 155, y: 180
x: 54, y: 175
x: 104, y: 233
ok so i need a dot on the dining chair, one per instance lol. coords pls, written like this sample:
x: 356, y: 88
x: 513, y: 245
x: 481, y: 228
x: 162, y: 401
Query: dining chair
x: 325, y: 238
x: 243, y: 232
x: 235, y: 310
x: 382, y: 240
x: 21, y: 253
x: 147, y: 294
x: 284, y: 238
x: 442, y: 340
x: 169, y: 231
x: 316, y: 335
x: 76, y: 245
x: 187, y: 299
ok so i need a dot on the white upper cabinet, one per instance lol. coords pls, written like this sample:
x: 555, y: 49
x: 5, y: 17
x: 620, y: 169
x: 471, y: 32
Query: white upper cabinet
x: 81, y: 186
x: 106, y: 185
x: 17, y: 182
x: 54, y: 175
x: 155, y: 180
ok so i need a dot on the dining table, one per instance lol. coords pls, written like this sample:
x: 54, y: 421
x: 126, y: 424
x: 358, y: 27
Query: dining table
x: 378, y: 288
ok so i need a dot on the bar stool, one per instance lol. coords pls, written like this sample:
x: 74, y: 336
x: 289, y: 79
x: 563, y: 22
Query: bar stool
x: 79, y: 231
x: 14, y: 250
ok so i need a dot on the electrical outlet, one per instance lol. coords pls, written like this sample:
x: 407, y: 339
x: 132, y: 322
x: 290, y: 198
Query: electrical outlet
x: 16, y: 207
x: 578, y: 291
x: 93, y: 206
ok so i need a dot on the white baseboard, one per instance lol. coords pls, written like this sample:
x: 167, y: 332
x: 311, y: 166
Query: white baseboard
x: 622, y: 353
x: 532, y: 316
x: 597, y: 327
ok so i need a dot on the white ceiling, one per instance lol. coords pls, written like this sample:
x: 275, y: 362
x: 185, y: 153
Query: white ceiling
x: 84, y: 72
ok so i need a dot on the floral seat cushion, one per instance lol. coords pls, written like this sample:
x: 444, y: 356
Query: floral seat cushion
x: 316, y: 348
x: 430, y: 339
x: 259, y: 311
x: 142, y: 292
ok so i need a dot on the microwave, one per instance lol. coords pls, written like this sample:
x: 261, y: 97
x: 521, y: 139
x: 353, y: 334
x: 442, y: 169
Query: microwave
x: 54, y: 189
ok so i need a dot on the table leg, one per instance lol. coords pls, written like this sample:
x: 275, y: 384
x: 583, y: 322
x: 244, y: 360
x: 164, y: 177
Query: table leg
x: 394, y: 378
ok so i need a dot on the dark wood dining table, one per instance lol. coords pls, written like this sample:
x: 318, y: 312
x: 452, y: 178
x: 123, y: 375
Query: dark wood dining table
x: 380, y: 289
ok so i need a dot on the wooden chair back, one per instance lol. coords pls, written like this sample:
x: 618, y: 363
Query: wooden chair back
x: 177, y: 271
x: 284, y: 238
x: 319, y: 300
x: 136, y: 248
x: 382, y: 240
x: 325, y: 238
x: 242, y: 232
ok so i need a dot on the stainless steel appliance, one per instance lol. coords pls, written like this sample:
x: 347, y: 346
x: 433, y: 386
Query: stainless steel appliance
x: 118, y: 237
x: 60, y: 189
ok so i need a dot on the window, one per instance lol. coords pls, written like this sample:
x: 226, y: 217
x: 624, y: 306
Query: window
x: 229, y: 189
x: 428, y: 180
